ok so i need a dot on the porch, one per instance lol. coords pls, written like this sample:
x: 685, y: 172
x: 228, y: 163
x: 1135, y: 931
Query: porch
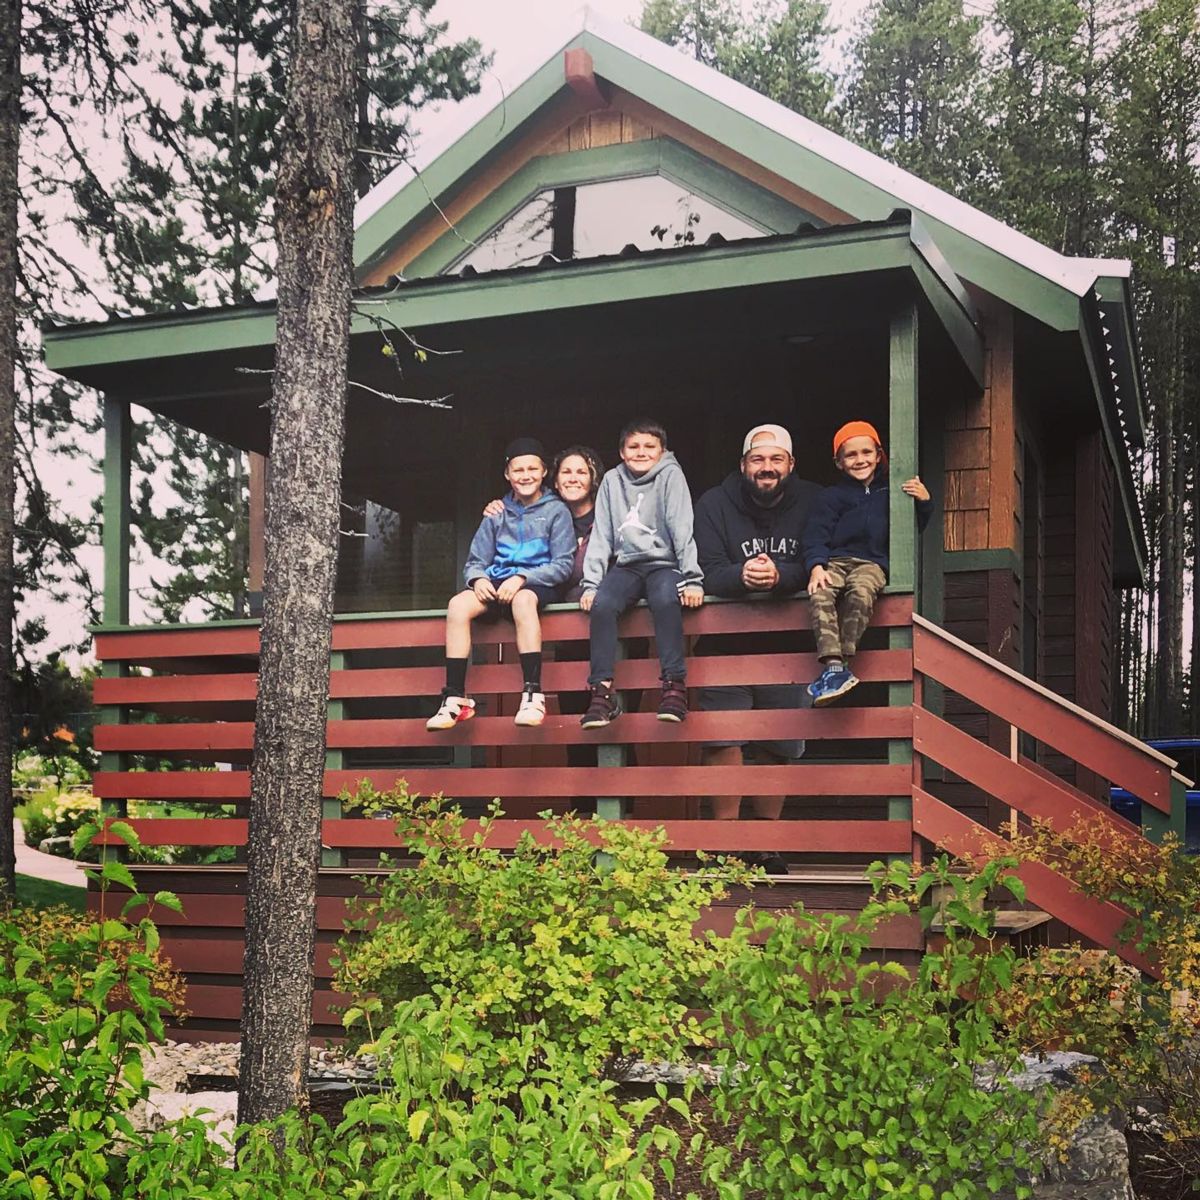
x: 877, y: 779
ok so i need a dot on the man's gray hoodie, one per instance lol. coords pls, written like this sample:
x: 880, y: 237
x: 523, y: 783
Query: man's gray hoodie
x: 642, y: 519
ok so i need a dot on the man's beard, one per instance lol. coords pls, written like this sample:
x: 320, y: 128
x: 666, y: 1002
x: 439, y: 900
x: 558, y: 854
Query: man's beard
x: 770, y: 495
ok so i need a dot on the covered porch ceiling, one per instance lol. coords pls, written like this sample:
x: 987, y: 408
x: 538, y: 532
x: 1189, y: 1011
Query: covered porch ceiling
x: 816, y: 305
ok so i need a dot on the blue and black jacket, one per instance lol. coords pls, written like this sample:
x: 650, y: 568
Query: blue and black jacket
x: 850, y: 520
x: 536, y: 541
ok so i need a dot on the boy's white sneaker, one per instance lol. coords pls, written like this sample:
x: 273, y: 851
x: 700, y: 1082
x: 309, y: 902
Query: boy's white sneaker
x: 532, y: 710
x: 454, y: 710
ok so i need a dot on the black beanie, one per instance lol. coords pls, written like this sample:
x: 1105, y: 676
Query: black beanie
x: 524, y: 445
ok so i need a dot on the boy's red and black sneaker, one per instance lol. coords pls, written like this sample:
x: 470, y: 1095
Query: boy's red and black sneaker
x: 673, y: 706
x: 603, y: 708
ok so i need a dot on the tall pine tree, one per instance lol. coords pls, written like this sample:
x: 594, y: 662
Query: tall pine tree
x: 912, y: 90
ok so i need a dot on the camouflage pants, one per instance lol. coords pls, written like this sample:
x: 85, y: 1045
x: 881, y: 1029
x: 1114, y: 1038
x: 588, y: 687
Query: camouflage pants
x: 842, y: 611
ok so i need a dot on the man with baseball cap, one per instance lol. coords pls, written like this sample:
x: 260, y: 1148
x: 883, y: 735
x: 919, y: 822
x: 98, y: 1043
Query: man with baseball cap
x: 749, y: 535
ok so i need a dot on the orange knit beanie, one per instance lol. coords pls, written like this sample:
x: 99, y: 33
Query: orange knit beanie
x: 853, y: 429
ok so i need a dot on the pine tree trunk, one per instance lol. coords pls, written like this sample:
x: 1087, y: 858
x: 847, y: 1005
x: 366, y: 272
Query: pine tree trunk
x: 10, y: 131
x: 314, y: 206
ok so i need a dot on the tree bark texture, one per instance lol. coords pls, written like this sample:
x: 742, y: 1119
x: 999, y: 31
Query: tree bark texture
x: 10, y: 131
x: 314, y: 231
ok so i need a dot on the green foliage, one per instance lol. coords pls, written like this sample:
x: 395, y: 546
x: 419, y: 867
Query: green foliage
x: 852, y: 1078
x: 79, y: 1000
x: 914, y: 75
x: 776, y: 49
x: 600, y: 954
x: 54, y: 814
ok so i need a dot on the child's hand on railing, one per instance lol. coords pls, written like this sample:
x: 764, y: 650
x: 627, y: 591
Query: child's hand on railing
x: 818, y: 579
x: 915, y: 488
x: 692, y: 596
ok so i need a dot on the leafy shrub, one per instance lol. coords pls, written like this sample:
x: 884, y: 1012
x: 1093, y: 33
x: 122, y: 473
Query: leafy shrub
x: 600, y: 953
x: 78, y: 1002
x: 854, y: 1078
x: 54, y: 814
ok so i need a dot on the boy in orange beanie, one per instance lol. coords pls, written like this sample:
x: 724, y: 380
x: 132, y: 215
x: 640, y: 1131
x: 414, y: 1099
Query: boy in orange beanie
x: 846, y: 553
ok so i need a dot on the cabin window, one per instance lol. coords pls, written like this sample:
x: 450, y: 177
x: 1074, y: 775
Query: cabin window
x: 594, y: 219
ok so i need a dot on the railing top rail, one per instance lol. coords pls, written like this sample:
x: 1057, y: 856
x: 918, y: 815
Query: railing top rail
x: 415, y: 614
x: 1003, y: 669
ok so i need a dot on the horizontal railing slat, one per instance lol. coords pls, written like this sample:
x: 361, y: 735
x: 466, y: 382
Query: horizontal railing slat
x: 631, y: 729
x: 1084, y: 738
x: 870, y: 666
x: 809, y: 837
x: 805, y: 780
x: 424, y: 630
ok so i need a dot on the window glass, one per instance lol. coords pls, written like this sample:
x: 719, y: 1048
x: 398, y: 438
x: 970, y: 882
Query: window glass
x: 594, y: 219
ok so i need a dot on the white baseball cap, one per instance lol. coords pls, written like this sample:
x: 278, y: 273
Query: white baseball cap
x: 776, y: 438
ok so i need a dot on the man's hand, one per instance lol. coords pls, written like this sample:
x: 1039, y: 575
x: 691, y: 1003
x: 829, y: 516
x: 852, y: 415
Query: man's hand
x: 586, y: 600
x: 509, y: 588
x: 483, y: 589
x: 818, y: 579
x: 915, y: 488
x: 760, y: 574
x: 493, y: 508
x: 692, y: 596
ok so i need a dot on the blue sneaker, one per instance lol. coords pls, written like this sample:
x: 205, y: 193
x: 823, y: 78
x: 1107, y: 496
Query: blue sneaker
x: 833, y: 682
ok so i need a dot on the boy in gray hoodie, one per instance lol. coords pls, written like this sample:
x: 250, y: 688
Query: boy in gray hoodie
x: 516, y: 564
x: 641, y: 546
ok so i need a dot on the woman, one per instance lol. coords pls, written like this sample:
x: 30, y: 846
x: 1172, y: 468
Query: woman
x: 576, y: 473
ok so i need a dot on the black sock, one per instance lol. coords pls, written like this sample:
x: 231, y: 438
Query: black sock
x: 531, y: 668
x: 456, y: 676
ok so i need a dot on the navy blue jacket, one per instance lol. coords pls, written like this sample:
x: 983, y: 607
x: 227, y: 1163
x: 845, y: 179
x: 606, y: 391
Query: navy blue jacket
x: 850, y: 520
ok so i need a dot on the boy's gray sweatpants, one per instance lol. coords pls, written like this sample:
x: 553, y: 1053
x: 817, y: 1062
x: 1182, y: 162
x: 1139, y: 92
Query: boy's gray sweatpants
x: 842, y: 612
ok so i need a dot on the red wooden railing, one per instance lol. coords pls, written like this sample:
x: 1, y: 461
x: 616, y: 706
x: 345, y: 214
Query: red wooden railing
x: 187, y: 696
x: 1023, y: 785
x: 210, y: 675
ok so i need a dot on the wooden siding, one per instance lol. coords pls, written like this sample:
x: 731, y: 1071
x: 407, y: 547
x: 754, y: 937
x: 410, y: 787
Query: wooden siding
x: 981, y: 454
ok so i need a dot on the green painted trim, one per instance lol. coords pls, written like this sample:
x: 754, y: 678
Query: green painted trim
x: 655, y: 156
x: 903, y: 549
x: 139, y: 339
x: 1003, y: 559
x: 1115, y: 293
x: 1156, y: 825
x: 951, y: 315
x: 613, y: 280
x: 118, y: 441
x: 838, y: 185
x: 335, y: 760
x: 375, y: 237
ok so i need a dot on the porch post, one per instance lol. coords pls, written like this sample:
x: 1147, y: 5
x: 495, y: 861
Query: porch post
x: 902, y: 450
x: 117, y: 450
x: 118, y: 437
x: 902, y: 517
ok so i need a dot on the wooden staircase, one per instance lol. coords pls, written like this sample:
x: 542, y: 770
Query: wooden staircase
x: 1026, y: 787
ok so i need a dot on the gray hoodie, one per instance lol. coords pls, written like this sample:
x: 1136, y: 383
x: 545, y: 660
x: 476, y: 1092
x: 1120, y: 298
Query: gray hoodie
x: 643, y: 519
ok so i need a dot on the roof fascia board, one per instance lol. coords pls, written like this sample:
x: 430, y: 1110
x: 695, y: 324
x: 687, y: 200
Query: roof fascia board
x: 107, y: 343
x: 1132, y: 532
x: 1115, y: 296
x: 964, y: 333
x: 615, y: 280
x: 502, y: 125
x: 1019, y: 285
x: 664, y: 156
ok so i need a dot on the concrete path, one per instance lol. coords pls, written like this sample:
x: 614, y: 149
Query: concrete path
x: 45, y: 866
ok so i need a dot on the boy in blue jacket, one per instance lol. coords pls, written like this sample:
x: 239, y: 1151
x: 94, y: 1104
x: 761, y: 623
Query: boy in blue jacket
x: 516, y: 564
x: 846, y: 553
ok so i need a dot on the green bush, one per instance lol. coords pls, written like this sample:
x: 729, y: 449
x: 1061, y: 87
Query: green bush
x: 54, y: 814
x: 589, y: 933
x: 79, y: 1000
x: 850, y: 1078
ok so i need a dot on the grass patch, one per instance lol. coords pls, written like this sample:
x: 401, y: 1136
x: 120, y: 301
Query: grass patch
x: 45, y: 893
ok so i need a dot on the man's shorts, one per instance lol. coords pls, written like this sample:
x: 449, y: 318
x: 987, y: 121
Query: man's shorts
x: 545, y: 595
x: 752, y: 697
